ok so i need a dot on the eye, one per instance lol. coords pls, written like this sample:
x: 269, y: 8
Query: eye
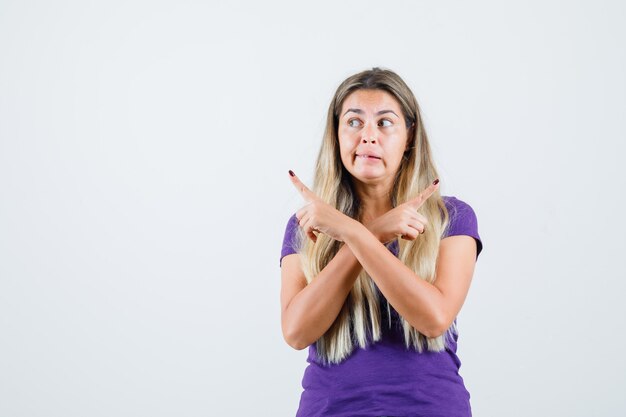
x: 354, y: 123
x: 385, y: 123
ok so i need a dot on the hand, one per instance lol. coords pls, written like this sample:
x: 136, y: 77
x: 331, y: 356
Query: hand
x: 402, y: 221
x: 318, y: 215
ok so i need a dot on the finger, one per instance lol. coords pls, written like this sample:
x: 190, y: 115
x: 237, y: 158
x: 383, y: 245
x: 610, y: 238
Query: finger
x: 304, y: 211
x: 410, y: 233
x: 423, y: 196
x: 308, y: 228
x: 419, y: 222
x: 418, y: 226
x: 302, y: 189
x: 420, y: 217
x: 305, y: 221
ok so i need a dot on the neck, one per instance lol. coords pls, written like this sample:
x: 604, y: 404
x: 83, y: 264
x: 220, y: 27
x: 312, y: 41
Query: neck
x: 375, y: 201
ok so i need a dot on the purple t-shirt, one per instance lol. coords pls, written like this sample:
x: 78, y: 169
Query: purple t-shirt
x: 386, y: 378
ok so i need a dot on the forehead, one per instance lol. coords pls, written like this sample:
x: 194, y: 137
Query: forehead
x: 371, y: 101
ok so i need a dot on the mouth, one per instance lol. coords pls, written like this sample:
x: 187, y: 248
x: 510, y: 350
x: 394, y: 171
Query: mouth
x: 365, y: 156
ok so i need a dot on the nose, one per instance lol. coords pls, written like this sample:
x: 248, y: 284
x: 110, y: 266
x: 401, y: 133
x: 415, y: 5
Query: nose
x: 371, y: 139
x: 369, y: 134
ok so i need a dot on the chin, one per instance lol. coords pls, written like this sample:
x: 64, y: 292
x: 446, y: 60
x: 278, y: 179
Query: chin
x: 368, y: 178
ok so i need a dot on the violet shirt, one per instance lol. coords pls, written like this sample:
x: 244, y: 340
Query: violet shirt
x: 386, y: 378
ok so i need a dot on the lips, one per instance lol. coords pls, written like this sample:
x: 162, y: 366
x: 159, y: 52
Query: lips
x: 368, y: 156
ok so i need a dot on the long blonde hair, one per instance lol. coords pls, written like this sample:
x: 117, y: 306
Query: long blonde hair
x: 359, y: 320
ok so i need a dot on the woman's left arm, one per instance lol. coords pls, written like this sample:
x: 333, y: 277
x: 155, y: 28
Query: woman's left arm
x: 430, y: 308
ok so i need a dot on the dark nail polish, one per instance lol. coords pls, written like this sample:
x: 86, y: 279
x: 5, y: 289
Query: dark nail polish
x: 436, y: 181
x: 291, y: 173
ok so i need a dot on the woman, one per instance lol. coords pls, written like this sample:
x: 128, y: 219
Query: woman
x: 377, y: 264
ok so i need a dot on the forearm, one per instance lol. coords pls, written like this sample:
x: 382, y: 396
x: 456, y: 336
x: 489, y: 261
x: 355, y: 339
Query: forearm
x: 418, y: 301
x: 313, y: 310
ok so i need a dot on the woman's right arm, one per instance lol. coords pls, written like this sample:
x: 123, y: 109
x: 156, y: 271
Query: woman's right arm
x: 308, y: 311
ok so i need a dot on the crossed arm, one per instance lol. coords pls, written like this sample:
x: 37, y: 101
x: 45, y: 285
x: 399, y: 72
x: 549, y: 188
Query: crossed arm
x: 308, y: 311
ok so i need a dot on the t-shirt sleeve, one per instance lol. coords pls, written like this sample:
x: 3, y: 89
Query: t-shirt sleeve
x: 290, y: 242
x: 462, y: 221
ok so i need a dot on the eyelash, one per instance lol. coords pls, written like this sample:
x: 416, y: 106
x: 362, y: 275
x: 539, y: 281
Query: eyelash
x: 382, y: 120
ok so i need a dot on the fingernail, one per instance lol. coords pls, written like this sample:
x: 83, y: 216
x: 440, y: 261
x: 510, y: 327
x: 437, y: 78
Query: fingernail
x: 291, y: 173
x: 436, y: 181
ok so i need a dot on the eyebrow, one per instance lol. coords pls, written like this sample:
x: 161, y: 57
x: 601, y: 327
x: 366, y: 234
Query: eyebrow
x: 359, y: 111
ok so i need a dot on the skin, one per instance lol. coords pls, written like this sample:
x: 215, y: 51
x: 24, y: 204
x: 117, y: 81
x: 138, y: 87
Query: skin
x: 307, y: 311
x: 372, y: 116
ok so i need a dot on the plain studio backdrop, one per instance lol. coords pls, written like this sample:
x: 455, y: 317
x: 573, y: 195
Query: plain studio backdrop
x: 144, y: 194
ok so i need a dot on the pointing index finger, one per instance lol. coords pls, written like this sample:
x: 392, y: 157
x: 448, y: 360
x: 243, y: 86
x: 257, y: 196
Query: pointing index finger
x: 302, y: 189
x: 424, y: 195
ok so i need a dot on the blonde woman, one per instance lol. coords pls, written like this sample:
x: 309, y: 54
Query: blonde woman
x: 377, y: 264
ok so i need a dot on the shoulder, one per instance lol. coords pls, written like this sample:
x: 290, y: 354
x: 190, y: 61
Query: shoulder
x: 462, y: 219
x: 455, y: 204
x: 291, y: 228
x: 292, y: 223
x: 457, y: 207
x: 290, y: 239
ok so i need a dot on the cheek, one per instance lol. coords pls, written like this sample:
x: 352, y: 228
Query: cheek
x: 345, y: 144
x: 344, y: 139
x: 345, y: 153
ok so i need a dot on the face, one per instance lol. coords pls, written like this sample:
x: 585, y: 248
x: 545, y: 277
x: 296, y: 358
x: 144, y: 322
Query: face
x: 372, y: 136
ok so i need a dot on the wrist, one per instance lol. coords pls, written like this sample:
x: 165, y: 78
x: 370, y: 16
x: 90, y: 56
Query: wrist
x: 372, y: 229
x: 354, y: 231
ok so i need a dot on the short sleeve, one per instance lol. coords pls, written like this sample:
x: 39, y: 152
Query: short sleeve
x: 290, y: 243
x: 463, y: 221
